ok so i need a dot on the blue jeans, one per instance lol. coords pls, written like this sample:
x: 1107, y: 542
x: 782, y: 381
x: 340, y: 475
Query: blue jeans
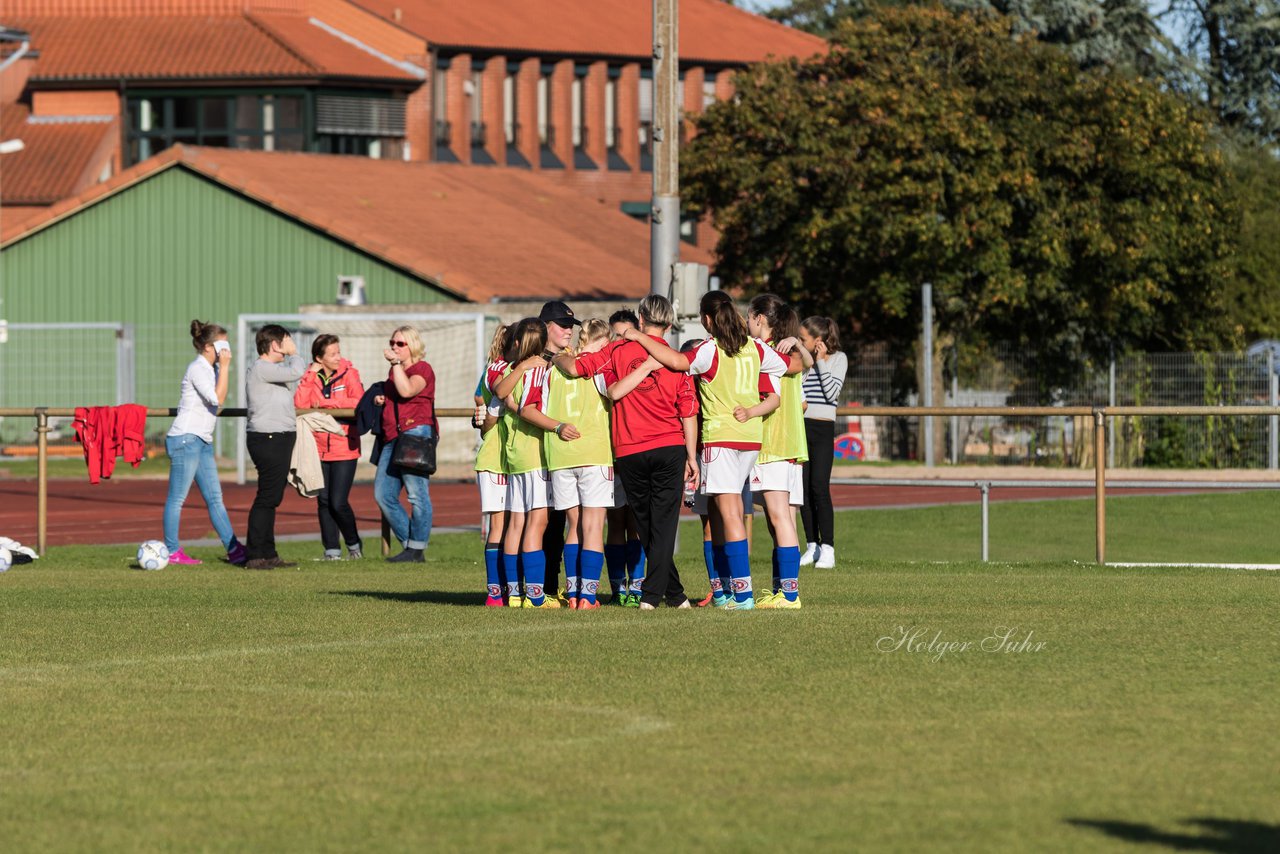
x: 413, y: 530
x: 191, y: 458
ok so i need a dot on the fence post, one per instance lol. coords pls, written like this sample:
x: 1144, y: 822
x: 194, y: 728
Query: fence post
x: 926, y: 353
x: 985, y: 487
x: 1273, y: 382
x: 42, y: 478
x: 1100, y: 482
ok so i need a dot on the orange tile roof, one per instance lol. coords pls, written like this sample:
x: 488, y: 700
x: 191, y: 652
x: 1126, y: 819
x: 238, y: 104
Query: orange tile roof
x: 221, y: 46
x: 711, y: 31
x: 60, y: 157
x: 480, y: 234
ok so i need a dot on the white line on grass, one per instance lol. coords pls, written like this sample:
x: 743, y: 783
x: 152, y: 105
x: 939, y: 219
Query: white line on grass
x: 1270, y: 567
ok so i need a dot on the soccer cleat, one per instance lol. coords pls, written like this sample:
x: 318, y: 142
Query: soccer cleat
x: 408, y: 556
x: 330, y: 557
x: 564, y: 602
x: 735, y: 605
x: 515, y: 602
x: 826, y: 557
x: 548, y: 602
x: 493, y: 602
x: 632, y: 600
x: 181, y: 558
x: 781, y: 603
x: 685, y: 604
x: 763, y: 601
x: 584, y: 605
x: 721, y: 601
x: 810, y: 555
x: 619, y: 599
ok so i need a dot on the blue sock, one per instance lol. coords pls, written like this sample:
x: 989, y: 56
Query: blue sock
x: 721, y: 561
x: 571, y: 552
x: 492, y: 573
x: 789, y: 571
x: 635, y: 564
x: 535, y: 575
x: 708, y: 555
x: 615, y: 558
x: 511, y: 569
x: 777, y: 580
x: 740, y: 568
x: 589, y: 563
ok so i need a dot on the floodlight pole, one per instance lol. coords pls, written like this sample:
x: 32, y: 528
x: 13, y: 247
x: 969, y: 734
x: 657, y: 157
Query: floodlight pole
x: 664, y: 228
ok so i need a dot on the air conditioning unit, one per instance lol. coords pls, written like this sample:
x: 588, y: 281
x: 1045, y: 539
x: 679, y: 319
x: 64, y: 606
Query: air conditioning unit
x: 351, y: 290
x: 688, y: 283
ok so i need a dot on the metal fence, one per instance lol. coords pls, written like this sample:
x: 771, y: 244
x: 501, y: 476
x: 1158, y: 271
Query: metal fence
x: 1005, y: 376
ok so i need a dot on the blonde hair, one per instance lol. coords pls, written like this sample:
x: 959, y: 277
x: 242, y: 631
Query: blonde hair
x: 593, y: 329
x: 656, y: 310
x: 416, y: 348
x: 498, y: 346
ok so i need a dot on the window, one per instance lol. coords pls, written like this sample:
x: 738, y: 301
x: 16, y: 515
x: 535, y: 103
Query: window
x: 612, y: 133
x: 263, y: 122
x: 546, y: 129
x: 708, y: 89
x: 351, y: 124
x: 443, y: 131
x: 511, y: 115
x: 581, y: 160
x: 646, y: 119
x: 479, y: 131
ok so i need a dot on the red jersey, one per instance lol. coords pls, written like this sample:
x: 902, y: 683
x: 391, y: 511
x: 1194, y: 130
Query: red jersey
x: 414, y: 411
x: 648, y: 417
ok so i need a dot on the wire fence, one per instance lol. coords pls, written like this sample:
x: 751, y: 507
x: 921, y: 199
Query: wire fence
x: 1006, y: 376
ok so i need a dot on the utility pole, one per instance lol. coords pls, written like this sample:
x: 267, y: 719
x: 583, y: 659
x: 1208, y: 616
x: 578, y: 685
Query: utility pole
x: 664, y: 242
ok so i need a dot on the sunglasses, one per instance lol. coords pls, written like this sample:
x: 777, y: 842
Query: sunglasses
x: 398, y: 343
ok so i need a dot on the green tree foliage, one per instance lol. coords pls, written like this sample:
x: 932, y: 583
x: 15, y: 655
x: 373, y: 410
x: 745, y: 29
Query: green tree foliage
x: 1069, y: 211
x: 1253, y: 294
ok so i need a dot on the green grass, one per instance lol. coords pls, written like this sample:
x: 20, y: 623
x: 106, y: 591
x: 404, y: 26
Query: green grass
x: 357, y: 706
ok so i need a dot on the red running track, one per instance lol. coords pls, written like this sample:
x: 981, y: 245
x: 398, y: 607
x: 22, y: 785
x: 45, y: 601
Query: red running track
x: 130, y: 510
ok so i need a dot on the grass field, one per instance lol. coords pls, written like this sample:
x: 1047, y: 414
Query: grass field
x: 356, y: 706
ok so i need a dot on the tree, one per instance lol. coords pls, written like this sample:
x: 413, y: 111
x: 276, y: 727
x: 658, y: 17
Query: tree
x: 1069, y: 211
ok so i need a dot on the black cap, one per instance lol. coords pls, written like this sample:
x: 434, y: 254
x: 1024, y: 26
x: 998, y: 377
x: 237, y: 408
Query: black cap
x: 559, y: 314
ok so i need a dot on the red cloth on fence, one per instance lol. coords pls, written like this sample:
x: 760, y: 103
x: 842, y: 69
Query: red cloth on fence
x: 107, y: 432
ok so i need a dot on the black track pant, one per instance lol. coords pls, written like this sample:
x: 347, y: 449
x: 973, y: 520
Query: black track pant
x: 816, y: 514
x: 654, y: 481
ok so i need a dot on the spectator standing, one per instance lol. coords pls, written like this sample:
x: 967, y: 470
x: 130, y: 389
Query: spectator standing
x: 271, y: 432
x: 822, y: 386
x: 409, y: 408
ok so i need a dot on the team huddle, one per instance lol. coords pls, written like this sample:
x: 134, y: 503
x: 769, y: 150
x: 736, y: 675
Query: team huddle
x: 620, y: 429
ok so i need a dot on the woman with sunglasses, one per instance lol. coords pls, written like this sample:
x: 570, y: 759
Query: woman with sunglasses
x: 409, y: 409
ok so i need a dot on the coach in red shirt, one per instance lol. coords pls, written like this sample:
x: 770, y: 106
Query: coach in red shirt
x: 654, y: 431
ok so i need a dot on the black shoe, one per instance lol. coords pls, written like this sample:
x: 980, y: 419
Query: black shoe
x: 408, y: 556
x: 260, y: 563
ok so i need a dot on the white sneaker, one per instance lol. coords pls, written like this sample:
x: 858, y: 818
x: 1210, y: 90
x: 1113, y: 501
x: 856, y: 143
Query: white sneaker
x: 809, y: 554
x: 826, y: 557
x: 645, y: 606
x: 684, y: 604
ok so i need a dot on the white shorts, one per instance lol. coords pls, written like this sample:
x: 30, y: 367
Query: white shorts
x: 700, y: 502
x: 726, y: 469
x: 493, y: 491
x: 527, y: 491
x: 779, y: 476
x: 583, y: 486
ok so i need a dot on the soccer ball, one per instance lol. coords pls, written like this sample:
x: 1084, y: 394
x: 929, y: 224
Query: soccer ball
x: 6, y: 559
x: 153, y: 555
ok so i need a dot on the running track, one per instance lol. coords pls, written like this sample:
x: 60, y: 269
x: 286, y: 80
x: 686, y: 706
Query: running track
x: 129, y: 510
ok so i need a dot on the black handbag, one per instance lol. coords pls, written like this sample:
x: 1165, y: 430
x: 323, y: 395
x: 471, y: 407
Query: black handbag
x: 415, y: 454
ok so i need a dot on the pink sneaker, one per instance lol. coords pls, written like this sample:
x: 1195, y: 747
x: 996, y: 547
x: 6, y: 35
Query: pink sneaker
x: 494, y: 602
x: 181, y: 558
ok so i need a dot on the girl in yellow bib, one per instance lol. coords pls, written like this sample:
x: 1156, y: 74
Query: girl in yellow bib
x: 491, y: 479
x: 525, y: 463
x: 735, y: 372
x: 778, y: 473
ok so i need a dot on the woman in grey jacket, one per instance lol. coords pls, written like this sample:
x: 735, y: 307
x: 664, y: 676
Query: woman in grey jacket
x: 269, y: 438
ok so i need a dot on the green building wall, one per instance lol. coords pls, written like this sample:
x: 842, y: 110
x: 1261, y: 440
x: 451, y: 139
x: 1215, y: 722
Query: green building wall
x: 173, y: 247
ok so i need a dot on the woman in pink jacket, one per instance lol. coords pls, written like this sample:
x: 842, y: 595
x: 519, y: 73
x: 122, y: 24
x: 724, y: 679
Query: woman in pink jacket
x: 334, y: 383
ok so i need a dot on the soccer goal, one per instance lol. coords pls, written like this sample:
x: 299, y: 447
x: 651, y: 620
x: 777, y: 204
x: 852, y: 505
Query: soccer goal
x: 456, y: 347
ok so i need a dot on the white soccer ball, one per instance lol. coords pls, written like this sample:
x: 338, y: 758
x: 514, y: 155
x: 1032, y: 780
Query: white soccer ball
x: 153, y: 555
x: 6, y: 559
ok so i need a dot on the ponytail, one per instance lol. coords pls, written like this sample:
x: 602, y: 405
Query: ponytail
x: 204, y: 334
x: 723, y: 322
